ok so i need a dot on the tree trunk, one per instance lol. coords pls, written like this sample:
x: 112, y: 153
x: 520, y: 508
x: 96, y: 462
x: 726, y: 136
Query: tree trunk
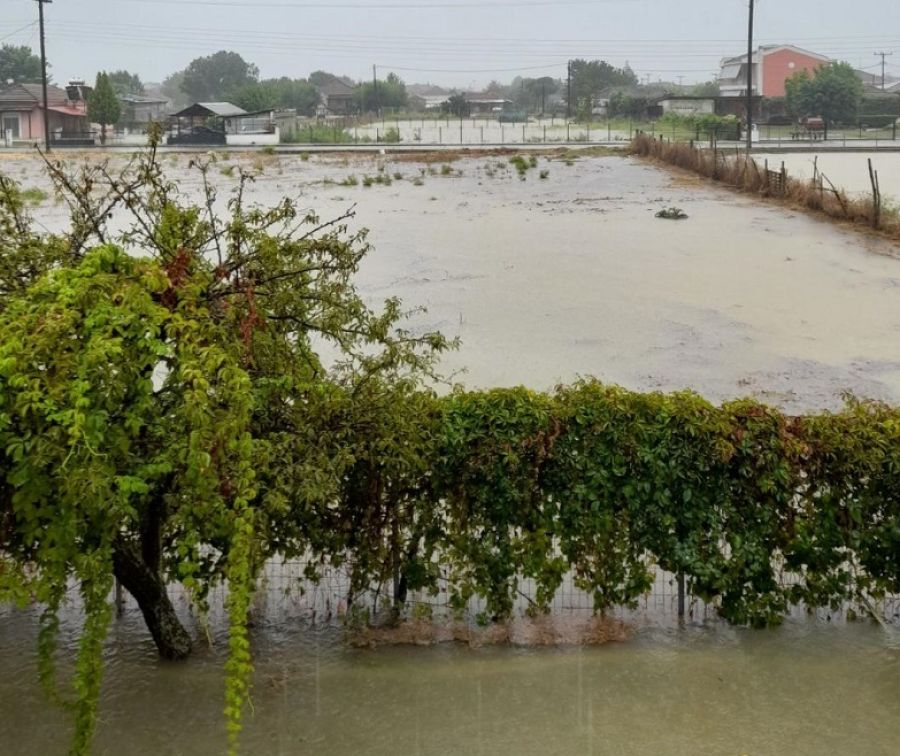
x: 149, y: 590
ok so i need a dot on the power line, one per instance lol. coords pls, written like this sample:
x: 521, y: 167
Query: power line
x: 463, y: 4
x: 21, y: 29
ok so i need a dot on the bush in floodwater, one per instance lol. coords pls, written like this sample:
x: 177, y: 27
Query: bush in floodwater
x: 92, y: 325
x: 545, y: 174
x: 391, y: 135
x: 350, y: 180
x: 34, y: 195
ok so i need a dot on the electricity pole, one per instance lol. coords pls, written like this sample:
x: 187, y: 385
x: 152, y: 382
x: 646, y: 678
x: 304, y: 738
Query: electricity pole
x: 375, y: 88
x: 44, y: 74
x: 568, y: 90
x: 883, y: 56
x: 750, y: 81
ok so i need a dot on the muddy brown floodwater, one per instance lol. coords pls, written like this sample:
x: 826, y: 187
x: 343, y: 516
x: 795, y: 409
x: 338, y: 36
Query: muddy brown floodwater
x: 548, y: 280
x: 806, y: 689
x: 544, y: 281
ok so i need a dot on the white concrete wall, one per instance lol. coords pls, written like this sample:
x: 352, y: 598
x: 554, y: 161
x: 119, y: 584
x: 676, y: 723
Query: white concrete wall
x: 689, y: 107
x: 246, y: 140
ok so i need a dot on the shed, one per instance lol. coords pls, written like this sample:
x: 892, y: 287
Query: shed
x: 211, y: 123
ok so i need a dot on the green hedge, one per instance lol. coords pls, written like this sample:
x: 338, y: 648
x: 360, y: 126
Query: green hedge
x: 475, y: 491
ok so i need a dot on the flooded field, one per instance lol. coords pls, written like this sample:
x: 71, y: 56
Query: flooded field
x: 549, y: 279
x: 805, y: 689
x: 849, y: 170
x: 546, y: 279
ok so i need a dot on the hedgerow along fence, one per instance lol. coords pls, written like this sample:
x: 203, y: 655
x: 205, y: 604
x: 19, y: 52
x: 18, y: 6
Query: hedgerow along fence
x: 591, y: 487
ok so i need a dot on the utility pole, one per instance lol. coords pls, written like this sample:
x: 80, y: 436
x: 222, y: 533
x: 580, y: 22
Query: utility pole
x: 750, y: 81
x: 568, y: 90
x: 44, y: 74
x: 883, y: 56
x: 375, y: 88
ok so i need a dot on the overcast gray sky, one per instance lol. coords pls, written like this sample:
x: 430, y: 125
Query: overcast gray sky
x: 450, y: 42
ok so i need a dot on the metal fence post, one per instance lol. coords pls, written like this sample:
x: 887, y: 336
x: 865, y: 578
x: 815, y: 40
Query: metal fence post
x: 680, y: 579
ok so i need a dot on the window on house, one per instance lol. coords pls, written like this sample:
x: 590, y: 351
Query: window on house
x: 10, y: 123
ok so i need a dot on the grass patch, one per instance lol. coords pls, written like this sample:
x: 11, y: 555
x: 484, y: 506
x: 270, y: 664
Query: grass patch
x: 34, y: 195
x: 545, y: 174
x: 227, y: 170
x: 351, y: 180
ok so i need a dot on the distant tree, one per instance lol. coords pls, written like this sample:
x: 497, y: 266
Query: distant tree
x: 456, y: 105
x: 103, y: 105
x: 705, y: 89
x: 833, y: 92
x: 19, y: 64
x: 125, y: 83
x: 624, y: 106
x: 213, y: 77
x: 590, y: 78
x: 297, y: 94
x: 389, y: 93
x: 537, y: 92
x: 171, y: 88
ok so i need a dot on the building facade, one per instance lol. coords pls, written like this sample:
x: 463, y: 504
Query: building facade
x: 772, y: 66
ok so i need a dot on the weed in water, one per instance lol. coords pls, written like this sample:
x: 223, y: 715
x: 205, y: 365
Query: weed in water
x: 545, y: 174
x: 268, y: 150
x: 418, y: 182
x: 532, y: 161
x: 398, y: 176
x: 521, y: 165
x: 351, y: 180
x: 227, y: 170
x: 304, y: 156
x: 446, y: 170
x: 34, y: 195
x: 368, y: 181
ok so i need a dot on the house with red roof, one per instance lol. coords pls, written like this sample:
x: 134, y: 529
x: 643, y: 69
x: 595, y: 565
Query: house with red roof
x: 22, y: 118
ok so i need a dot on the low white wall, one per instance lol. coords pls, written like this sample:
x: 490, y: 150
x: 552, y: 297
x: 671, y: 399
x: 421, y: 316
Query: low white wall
x: 246, y: 140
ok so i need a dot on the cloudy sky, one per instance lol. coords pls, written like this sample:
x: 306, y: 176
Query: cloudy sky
x: 450, y: 42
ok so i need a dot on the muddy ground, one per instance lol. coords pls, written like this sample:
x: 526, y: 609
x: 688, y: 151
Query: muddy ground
x: 546, y: 280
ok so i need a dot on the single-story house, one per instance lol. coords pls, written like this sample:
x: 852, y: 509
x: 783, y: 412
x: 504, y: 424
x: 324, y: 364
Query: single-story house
x: 721, y: 105
x: 772, y: 65
x: 435, y: 102
x: 337, y: 97
x: 415, y: 103
x: 687, y: 106
x: 222, y: 123
x: 139, y: 110
x: 486, y: 104
x: 22, y: 116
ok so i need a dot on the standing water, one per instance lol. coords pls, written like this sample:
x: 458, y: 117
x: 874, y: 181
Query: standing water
x: 545, y: 280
